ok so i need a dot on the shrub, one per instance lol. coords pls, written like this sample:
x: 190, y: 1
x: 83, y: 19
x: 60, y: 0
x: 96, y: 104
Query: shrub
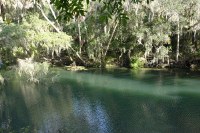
x: 32, y: 38
x: 137, y: 63
x: 32, y: 71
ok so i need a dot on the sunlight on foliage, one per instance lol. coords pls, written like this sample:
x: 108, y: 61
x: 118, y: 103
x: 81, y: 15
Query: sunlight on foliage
x: 137, y: 63
x: 32, y: 71
x: 33, y: 37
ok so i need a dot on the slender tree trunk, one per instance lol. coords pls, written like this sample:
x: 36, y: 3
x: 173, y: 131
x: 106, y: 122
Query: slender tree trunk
x: 51, y: 23
x: 129, y: 58
x: 178, y: 43
x: 194, y: 42
x: 86, y: 32
x: 111, y: 37
x: 104, y: 53
x: 52, y: 11
x: 79, y: 36
x: 18, y: 12
x: 2, y: 12
x: 102, y: 61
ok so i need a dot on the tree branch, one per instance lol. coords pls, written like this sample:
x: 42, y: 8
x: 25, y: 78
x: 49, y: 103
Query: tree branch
x: 52, y: 11
x: 51, y: 23
x: 109, y: 42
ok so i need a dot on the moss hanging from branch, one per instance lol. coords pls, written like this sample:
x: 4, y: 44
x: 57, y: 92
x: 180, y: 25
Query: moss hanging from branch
x: 33, y: 36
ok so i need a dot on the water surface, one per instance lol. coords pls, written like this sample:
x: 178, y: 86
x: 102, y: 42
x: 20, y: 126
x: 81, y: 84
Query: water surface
x: 103, y: 101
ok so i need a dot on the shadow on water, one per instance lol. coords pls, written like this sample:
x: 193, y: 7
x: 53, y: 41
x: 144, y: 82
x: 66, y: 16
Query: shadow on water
x: 107, y: 101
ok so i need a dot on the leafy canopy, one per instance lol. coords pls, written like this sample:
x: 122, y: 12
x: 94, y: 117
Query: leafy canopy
x: 70, y: 8
x: 33, y: 36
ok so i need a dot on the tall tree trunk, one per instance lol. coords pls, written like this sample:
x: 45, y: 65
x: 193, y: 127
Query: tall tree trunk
x: 102, y: 61
x: 194, y: 42
x: 79, y: 35
x: 178, y: 43
x: 111, y: 37
x: 104, y: 53
x: 2, y: 11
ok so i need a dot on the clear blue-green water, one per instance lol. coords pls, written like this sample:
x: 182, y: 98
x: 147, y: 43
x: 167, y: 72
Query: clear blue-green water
x: 103, y: 101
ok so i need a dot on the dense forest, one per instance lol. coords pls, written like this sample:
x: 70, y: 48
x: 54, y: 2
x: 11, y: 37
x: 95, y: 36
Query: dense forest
x: 125, y: 33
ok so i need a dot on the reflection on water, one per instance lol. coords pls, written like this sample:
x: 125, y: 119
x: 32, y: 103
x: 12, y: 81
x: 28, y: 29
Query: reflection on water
x: 94, y: 116
x: 114, y: 101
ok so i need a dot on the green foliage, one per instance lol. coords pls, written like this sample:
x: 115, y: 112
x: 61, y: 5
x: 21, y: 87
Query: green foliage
x: 34, y: 37
x: 69, y: 9
x: 161, y: 52
x: 151, y: 30
x: 28, y: 129
x: 137, y: 63
x: 33, y: 71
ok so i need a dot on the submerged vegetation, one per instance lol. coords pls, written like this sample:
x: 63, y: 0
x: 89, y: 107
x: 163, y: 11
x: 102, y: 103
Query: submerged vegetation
x: 101, y: 33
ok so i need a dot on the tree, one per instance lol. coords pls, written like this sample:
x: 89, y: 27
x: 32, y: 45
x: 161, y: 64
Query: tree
x: 33, y: 38
x: 68, y: 9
